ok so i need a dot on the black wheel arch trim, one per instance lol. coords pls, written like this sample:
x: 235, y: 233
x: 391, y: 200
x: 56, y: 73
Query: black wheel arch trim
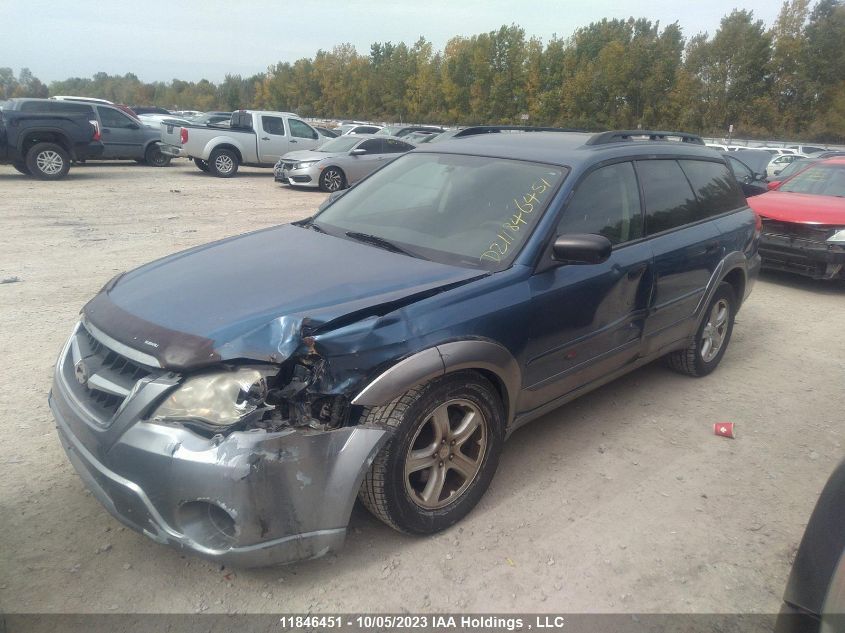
x: 433, y: 362
x: 733, y: 261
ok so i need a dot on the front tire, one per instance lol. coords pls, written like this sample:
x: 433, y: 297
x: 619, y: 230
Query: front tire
x: 332, y: 179
x: 154, y: 157
x: 48, y: 161
x: 201, y: 164
x: 445, y: 448
x: 705, y: 352
x: 223, y: 163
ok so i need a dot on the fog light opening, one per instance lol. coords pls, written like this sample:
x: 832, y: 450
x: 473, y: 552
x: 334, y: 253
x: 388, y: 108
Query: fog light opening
x: 207, y: 524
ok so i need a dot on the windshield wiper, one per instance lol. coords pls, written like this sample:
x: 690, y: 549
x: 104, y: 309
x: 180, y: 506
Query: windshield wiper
x: 375, y: 240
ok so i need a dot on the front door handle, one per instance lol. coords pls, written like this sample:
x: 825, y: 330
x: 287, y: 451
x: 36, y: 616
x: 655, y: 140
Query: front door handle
x: 265, y: 138
x: 293, y: 140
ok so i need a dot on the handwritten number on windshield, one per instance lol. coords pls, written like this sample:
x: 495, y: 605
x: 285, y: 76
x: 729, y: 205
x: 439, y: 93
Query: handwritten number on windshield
x: 509, y: 232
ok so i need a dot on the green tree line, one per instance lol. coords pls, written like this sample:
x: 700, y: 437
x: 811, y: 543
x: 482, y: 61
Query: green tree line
x: 784, y: 81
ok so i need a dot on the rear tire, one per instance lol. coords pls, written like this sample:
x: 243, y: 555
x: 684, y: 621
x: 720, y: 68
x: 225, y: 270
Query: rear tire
x: 47, y: 161
x: 223, y: 163
x: 201, y: 164
x: 442, y: 455
x: 706, y: 350
x: 21, y: 167
x: 154, y: 157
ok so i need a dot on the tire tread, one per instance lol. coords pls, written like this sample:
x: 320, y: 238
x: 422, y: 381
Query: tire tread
x: 371, y: 493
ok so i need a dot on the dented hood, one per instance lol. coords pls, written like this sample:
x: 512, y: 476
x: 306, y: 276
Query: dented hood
x: 257, y: 295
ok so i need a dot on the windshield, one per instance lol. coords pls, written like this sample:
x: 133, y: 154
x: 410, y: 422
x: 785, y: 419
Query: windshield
x: 794, y: 167
x: 821, y: 180
x: 463, y: 210
x: 340, y: 144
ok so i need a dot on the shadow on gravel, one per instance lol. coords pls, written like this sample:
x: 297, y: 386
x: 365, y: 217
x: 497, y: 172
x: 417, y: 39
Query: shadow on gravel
x: 241, y: 174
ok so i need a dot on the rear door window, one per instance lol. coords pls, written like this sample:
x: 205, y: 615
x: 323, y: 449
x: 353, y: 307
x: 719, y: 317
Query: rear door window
x: 606, y: 202
x: 273, y: 125
x: 669, y: 200
x: 715, y: 189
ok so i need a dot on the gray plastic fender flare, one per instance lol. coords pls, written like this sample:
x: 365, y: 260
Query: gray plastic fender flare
x: 440, y: 360
x: 729, y: 263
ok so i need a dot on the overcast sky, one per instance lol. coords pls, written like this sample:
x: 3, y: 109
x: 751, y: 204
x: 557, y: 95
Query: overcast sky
x: 191, y: 39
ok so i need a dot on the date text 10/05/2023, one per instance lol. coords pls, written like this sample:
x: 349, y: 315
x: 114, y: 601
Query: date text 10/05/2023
x: 510, y: 230
x: 429, y: 622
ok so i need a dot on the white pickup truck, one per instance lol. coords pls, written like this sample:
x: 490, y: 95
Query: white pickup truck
x: 255, y: 138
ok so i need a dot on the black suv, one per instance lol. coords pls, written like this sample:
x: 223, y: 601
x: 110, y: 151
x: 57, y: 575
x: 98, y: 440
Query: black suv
x: 235, y: 399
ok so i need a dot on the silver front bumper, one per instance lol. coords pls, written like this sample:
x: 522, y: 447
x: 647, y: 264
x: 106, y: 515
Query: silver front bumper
x: 248, y: 499
x: 305, y: 177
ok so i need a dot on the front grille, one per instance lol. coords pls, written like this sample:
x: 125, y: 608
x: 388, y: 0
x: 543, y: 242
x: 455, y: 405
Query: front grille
x: 100, y: 378
x: 813, y: 232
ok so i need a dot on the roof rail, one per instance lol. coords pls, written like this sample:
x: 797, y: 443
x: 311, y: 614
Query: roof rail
x: 493, y: 129
x: 622, y: 136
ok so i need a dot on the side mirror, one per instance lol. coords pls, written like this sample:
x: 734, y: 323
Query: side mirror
x: 134, y: 126
x: 759, y: 176
x: 357, y: 152
x: 773, y: 185
x: 581, y: 248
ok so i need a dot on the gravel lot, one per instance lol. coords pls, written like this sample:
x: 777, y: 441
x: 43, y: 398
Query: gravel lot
x: 623, y: 501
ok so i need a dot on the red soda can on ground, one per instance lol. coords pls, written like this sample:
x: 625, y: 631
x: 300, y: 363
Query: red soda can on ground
x: 725, y: 429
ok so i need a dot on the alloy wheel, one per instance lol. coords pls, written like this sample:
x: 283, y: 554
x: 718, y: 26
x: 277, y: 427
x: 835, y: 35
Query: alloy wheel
x: 446, y: 454
x: 49, y: 162
x: 332, y: 180
x: 224, y: 164
x: 715, y: 331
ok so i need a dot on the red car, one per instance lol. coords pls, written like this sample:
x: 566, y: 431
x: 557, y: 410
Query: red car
x: 804, y: 222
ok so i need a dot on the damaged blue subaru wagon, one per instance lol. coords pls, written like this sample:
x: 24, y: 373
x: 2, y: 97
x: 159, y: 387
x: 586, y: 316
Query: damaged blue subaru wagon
x: 235, y: 399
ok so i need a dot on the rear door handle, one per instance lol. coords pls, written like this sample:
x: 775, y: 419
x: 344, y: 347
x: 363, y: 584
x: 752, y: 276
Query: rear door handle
x: 265, y: 138
x: 293, y: 140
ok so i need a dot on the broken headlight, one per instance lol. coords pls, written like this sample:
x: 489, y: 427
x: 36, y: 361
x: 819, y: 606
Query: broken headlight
x: 219, y: 399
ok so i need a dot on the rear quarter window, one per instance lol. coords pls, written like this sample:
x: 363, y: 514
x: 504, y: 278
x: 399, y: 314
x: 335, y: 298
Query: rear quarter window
x: 680, y: 192
x: 716, y: 190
